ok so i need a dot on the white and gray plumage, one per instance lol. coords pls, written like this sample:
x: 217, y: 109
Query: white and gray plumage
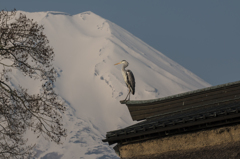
x: 128, y: 78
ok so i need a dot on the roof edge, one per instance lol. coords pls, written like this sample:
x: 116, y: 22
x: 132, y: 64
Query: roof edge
x: 133, y: 102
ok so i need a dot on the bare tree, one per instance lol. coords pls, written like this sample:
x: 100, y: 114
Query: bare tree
x: 24, y: 47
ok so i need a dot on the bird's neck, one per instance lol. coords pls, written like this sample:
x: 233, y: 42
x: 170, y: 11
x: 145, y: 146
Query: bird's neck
x: 123, y: 68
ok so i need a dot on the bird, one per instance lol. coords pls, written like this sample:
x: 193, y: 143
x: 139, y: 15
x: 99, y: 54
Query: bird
x: 128, y: 78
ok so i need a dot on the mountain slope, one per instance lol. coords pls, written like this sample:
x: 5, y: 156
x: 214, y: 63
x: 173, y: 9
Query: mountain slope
x: 87, y: 46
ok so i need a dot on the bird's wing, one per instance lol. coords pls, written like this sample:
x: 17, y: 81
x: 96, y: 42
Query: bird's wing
x: 131, y: 80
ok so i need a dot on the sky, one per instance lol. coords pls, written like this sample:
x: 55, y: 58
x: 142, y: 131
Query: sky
x: 202, y: 36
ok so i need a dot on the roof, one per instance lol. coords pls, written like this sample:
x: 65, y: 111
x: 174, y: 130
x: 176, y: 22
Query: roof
x: 142, y: 109
x: 178, y: 123
x: 191, y: 111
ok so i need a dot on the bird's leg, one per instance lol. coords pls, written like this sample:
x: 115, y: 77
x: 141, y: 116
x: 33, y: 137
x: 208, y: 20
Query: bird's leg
x: 127, y: 95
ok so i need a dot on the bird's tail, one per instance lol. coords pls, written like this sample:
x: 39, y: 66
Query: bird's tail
x: 132, y: 91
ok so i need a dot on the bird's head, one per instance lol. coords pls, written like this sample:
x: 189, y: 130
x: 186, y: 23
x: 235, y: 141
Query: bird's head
x: 124, y: 62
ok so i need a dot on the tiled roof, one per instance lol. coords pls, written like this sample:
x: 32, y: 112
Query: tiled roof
x: 151, y: 101
x: 191, y: 111
x: 206, y: 97
x: 182, y: 122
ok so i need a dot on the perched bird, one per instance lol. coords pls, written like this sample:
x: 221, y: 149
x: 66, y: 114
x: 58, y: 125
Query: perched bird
x: 128, y: 78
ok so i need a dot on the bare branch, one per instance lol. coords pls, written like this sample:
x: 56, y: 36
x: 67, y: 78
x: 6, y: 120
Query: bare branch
x: 23, y: 43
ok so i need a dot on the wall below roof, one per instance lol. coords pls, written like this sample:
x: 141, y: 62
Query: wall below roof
x: 218, y: 143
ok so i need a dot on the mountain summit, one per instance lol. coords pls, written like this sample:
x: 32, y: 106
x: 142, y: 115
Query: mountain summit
x: 86, y: 48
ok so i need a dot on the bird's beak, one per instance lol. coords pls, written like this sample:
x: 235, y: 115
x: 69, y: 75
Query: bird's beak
x: 117, y: 63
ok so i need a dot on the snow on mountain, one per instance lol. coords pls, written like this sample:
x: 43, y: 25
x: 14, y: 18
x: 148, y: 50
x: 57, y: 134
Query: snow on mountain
x: 87, y: 46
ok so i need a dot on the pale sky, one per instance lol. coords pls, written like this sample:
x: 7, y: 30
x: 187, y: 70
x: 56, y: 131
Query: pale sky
x: 203, y: 36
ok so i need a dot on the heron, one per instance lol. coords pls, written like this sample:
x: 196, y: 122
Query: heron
x: 128, y: 78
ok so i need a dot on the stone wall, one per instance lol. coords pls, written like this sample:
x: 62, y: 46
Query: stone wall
x: 218, y: 143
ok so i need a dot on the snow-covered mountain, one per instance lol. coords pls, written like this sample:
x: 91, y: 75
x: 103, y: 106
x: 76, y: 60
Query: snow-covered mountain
x: 87, y: 46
